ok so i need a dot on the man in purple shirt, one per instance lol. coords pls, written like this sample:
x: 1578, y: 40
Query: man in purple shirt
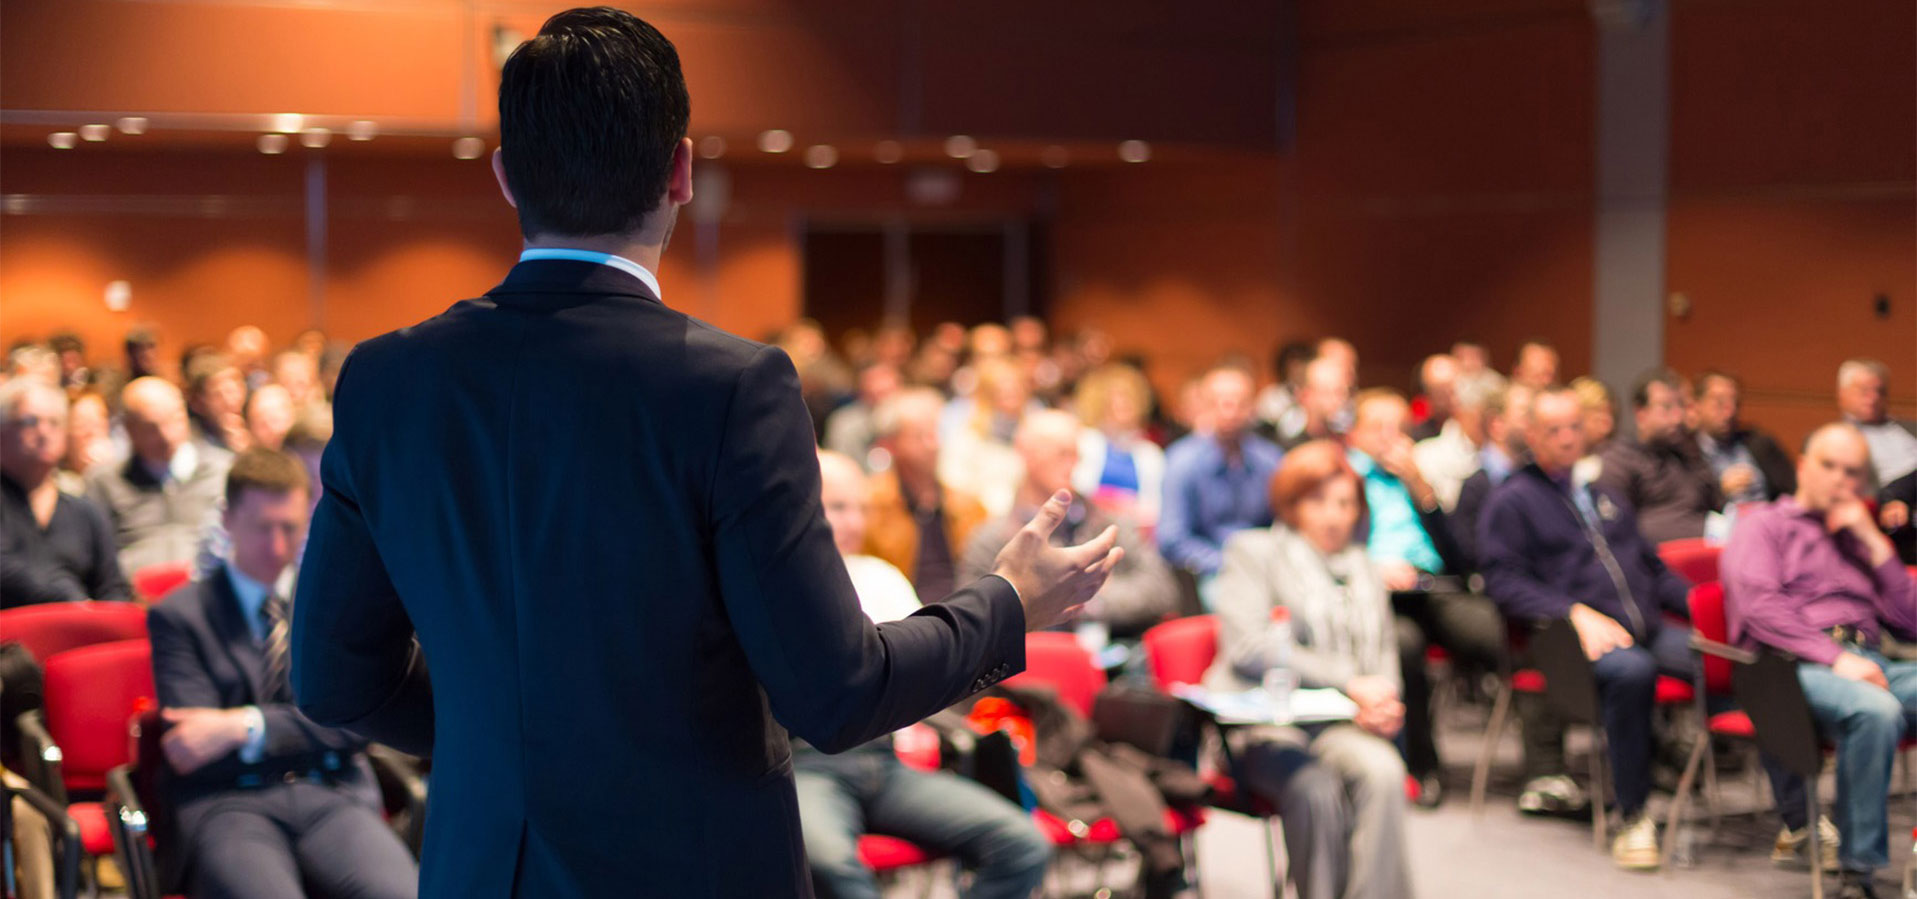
x: 1810, y: 574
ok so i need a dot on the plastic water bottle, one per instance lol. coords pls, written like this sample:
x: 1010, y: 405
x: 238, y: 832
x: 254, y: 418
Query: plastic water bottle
x: 1684, y: 854
x: 1279, y: 679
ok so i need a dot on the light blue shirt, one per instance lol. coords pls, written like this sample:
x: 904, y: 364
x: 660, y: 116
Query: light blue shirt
x: 1396, y: 532
x: 252, y: 596
x: 619, y: 262
x: 1211, y: 494
x: 1496, y: 465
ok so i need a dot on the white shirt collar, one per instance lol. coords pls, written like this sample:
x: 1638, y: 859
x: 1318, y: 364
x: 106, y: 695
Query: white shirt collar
x: 619, y: 262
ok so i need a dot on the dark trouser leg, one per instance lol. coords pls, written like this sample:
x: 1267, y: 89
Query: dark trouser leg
x: 1543, y: 731
x: 332, y: 827
x: 239, y: 853
x: 1469, y: 628
x: 1275, y: 764
x: 1420, y: 745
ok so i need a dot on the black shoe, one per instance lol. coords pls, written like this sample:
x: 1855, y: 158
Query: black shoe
x: 1430, y: 792
x: 1857, y: 885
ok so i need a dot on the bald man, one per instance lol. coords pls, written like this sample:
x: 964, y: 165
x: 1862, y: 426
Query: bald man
x: 1811, y: 575
x: 1141, y: 591
x: 168, y: 489
x: 867, y: 789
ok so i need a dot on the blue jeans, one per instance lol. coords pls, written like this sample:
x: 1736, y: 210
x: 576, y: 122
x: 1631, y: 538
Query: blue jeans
x: 867, y: 790
x: 1627, y: 694
x: 1866, y: 722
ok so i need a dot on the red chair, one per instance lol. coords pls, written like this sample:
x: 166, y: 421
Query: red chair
x: 92, y: 694
x: 156, y: 581
x: 1694, y: 559
x: 52, y: 628
x: 1058, y: 661
x: 1178, y: 653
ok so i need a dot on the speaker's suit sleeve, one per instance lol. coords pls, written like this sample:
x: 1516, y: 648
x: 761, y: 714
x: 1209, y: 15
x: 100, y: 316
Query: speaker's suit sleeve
x: 832, y: 677
x: 355, y: 662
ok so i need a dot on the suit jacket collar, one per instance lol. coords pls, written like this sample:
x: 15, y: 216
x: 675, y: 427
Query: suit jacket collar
x: 551, y: 284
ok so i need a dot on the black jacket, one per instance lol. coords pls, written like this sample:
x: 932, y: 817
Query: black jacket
x: 602, y: 518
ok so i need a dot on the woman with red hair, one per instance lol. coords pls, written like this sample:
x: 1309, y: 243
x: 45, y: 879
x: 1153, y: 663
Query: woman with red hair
x: 1339, y: 787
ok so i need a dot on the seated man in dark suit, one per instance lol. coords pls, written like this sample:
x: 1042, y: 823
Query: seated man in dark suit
x: 269, y: 804
x: 53, y: 547
x: 1750, y: 465
x: 1662, y: 473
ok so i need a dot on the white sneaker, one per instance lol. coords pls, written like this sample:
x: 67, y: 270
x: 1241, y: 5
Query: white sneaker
x: 1789, y: 848
x: 1635, y: 846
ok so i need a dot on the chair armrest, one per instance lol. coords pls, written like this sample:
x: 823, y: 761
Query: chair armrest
x: 1722, y: 650
x: 66, y: 833
x: 41, y: 757
x: 127, y: 818
x: 401, y: 786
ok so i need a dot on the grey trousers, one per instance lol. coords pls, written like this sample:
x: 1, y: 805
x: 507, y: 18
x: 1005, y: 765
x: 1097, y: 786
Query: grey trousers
x: 1340, y: 793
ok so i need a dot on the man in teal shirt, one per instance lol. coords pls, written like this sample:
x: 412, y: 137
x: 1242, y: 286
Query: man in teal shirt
x: 1412, y: 547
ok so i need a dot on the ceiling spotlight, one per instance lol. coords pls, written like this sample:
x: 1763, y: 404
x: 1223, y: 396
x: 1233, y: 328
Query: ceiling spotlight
x: 888, y: 152
x: 1055, y: 157
x: 287, y: 122
x: 272, y: 144
x: 63, y: 140
x: 712, y: 146
x: 1134, y: 151
x: 468, y: 148
x: 95, y: 133
x: 983, y: 161
x: 777, y: 140
x: 132, y: 124
x: 960, y: 146
x: 821, y: 156
x: 364, y: 129
x: 315, y: 138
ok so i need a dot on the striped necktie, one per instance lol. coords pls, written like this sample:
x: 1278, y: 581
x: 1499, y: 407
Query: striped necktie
x: 277, y: 613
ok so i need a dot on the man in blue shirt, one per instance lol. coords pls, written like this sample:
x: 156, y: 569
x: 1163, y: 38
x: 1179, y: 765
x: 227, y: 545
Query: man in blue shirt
x: 1216, y: 477
x: 1412, y: 547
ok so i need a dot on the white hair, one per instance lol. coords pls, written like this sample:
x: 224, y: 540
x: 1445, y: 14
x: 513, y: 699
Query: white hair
x: 1854, y: 368
x: 16, y: 390
x: 1476, y: 392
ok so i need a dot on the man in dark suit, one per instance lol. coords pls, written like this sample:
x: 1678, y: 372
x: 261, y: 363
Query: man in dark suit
x: 601, y: 520
x: 266, y: 800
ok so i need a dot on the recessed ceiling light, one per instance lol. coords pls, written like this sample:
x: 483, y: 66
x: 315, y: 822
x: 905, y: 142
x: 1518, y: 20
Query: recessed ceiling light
x: 468, y: 148
x: 364, y: 129
x: 778, y: 140
x: 821, y: 156
x: 287, y: 123
x: 960, y: 146
x: 272, y: 144
x: 95, y: 133
x: 1135, y: 151
x: 983, y: 161
x: 132, y: 124
x: 712, y: 146
x: 63, y: 140
x: 888, y: 152
x: 315, y: 138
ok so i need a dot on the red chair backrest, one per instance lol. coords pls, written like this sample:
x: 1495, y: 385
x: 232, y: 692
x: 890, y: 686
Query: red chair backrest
x: 92, y: 695
x: 1707, y: 619
x: 52, y: 628
x: 155, y: 581
x: 1056, y: 660
x: 1694, y: 560
x: 1180, y: 651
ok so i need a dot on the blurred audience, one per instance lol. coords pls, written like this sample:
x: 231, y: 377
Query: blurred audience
x: 1536, y: 366
x: 1451, y: 453
x: 1279, y: 411
x: 1552, y: 547
x: 1140, y: 592
x: 1812, y: 576
x: 1750, y: 466
x: 216, y: 397
x: 89, y: 441
x: 1339, y: 788
x: 1119, y: 469
x: 1662, y: 473
x: 1506, y: 414
x: 1863, y: 398
x: 977, y: 457
x: 269, y: 415
x: 1324, y: 403
x: 58, y: 548
x: 1214, y: 477
x: 848, y: 430
x: 918, y: 524
x: 1437, y: 385
x: 167, y: 488
x: 868, y: 790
